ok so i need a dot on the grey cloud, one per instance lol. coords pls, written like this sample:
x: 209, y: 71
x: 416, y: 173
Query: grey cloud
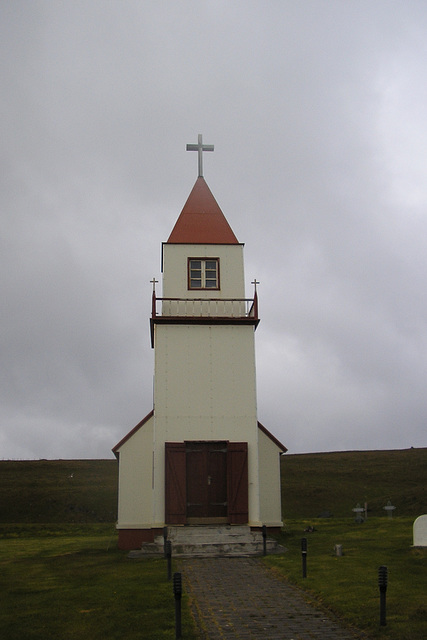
x: 317, y: 113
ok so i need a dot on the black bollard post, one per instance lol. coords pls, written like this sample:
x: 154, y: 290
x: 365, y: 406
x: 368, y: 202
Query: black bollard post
x: 177, y: 592
x: 304, y: 556
x: 165, y: 537
x: 264, y: 539
x: 382, y: 583
x: 169, y: 557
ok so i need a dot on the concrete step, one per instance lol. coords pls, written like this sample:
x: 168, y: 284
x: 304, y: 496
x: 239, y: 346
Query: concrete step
x: 211, y: 533
x: 211, y: 541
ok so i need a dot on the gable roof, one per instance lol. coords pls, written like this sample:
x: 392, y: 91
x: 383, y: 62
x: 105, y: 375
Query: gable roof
x: 201, y: 220
x: 127, y: 437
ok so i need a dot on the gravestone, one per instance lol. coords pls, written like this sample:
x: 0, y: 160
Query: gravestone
x: 420, y: 532
x: 389, y: 508
x: 358, y: 510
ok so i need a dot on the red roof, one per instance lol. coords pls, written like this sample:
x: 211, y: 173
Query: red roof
x: 201, y: 221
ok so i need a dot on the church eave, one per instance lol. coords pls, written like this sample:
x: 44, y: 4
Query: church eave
x: 272, y: 438
x: 200, y: 320
x: 140, y: 424
x: 206, y: 242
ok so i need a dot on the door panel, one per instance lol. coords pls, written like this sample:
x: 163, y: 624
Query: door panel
x: 217, y: 481
x: 237, y: 480
x: 206, y: 479
x: 197, y: 488
x: 175, y: 489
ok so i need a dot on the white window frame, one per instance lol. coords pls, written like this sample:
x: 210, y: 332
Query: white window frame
x: 203, y: 274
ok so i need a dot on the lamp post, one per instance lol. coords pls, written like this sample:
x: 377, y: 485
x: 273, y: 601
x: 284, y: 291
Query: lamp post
x: 304, y: 556
x: 382, y: 583
x: 177, y: 592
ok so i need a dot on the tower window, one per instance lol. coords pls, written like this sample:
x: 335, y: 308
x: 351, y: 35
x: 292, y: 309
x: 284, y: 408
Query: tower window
x: 203, y: 273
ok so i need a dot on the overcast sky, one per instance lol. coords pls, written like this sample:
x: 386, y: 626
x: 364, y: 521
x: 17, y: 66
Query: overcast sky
x: 318, y: 113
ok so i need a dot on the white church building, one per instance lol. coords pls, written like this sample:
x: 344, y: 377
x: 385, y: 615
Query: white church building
x: 200, y: 456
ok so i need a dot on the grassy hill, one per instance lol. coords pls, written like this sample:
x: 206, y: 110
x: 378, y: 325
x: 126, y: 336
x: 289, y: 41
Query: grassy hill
x: 85, y: 491
x: 335, y: 482
x: 56, y: 491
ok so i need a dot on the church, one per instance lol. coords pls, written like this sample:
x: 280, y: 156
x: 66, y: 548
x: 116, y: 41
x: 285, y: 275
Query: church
x: 200, y: 456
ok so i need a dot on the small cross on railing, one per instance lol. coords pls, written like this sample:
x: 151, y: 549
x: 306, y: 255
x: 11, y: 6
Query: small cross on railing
x: 255, y: 282
x: 153, y: 297
x: 200, y: 147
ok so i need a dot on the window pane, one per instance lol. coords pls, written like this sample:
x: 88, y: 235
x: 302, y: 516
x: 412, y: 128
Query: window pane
x: 203, y: 274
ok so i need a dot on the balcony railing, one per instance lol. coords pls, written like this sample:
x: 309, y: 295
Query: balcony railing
x: 236, y: 308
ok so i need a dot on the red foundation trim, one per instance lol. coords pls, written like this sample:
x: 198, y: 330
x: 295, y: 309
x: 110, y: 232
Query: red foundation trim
x: 272, y: 530
x: 130, y: 539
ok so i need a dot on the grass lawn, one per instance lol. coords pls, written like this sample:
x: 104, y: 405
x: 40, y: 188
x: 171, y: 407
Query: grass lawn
x: 70, y: 582
x: 348, y: 585
x: 67, y: 582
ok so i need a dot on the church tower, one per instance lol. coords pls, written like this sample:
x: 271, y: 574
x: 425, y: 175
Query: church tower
x: 200, y: 456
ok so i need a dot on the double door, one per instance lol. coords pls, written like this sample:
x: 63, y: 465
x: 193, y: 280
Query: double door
x: 206, y: 481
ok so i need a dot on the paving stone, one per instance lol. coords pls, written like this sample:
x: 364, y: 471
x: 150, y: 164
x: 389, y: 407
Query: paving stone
x: 240, y: 598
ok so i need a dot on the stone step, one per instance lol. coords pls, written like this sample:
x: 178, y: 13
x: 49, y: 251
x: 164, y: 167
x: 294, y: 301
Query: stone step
x: 211, y: 541
x: 195, y: 529
x: 210, y: 533
x: 210, y: 549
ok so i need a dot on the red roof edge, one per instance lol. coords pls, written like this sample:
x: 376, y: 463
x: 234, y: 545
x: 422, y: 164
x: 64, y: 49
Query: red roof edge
x: 272, y: 438
x: 132, y: 432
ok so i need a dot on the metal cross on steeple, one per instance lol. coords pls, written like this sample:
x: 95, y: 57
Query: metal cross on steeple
x: 200, y: 147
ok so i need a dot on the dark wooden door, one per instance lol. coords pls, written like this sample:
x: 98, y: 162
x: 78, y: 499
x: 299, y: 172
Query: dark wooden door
x: 238, y: 488
x: 206, y: 485
x: 175, y: 489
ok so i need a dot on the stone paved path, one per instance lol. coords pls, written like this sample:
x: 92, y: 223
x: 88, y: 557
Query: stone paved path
x: 240, y: 598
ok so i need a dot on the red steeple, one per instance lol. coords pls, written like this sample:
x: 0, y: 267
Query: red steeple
x: 201, y: 221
